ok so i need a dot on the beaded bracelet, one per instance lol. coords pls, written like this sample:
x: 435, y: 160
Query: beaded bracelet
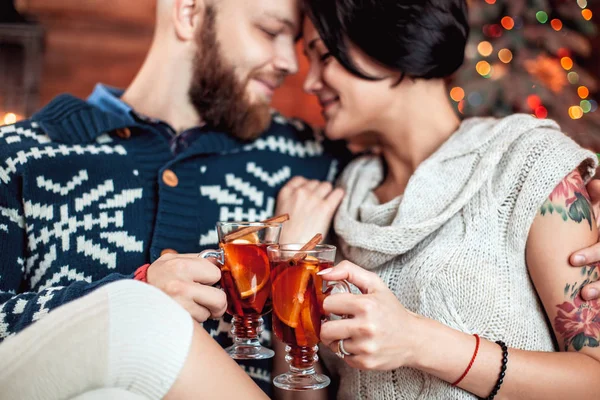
x: 502, y: 369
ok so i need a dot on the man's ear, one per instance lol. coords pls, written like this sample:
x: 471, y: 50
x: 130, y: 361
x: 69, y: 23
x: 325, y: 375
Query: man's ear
x: 188, y: 15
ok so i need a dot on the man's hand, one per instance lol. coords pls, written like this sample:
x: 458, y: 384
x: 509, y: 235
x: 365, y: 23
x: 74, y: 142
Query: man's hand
x: 188, y: 279
x: 590, y: 255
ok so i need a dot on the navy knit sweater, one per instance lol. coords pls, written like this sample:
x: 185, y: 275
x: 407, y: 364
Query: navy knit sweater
x: 87, y: 196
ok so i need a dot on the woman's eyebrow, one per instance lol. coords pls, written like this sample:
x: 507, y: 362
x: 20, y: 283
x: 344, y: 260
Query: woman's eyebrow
x: 311, y: 45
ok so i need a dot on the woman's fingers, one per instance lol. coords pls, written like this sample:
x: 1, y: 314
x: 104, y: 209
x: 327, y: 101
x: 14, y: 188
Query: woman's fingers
x: 364, y: 280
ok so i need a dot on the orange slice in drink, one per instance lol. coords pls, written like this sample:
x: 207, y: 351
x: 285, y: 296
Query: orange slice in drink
x: 301, y: 339
x: 311, y: 322
x: 259, y: 301
x: 311, y: 260
x: 318, y: 282
x: 288, y: 294
x: 251, y: 238
x: 249, y: 267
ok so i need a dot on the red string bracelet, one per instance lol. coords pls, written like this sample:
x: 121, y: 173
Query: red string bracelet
x: 470, y: 363
x: 141, y: 273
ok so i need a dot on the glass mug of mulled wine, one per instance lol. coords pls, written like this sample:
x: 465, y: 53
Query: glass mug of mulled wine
x: 297, y: 297
x: 246, y: 280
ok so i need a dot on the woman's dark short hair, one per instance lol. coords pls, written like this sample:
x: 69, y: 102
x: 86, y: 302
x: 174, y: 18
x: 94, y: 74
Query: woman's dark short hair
x: 420, y: 38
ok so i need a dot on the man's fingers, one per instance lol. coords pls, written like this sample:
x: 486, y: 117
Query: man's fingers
x: 589, y: 255
x: 202, y: 271
x: 591, y: 291
x: 199, y: 313
x: 593, y: 189
x: 201, y: 256
x: 213, y: 299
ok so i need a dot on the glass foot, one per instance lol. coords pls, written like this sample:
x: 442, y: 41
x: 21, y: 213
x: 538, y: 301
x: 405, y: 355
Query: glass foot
x: 300, y: 382
x: 240, y: 352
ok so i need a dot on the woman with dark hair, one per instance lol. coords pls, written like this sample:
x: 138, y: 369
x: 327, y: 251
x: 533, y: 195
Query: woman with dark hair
x: 458, y: 233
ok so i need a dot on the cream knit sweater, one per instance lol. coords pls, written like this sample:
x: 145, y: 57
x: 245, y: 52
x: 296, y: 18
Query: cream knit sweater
x: 453, y: 247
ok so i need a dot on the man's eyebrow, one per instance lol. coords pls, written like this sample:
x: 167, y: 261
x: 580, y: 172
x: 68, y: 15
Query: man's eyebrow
x: 283, y: 20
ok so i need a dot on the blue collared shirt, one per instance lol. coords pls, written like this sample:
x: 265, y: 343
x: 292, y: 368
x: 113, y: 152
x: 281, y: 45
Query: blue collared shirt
x: 108, y: 99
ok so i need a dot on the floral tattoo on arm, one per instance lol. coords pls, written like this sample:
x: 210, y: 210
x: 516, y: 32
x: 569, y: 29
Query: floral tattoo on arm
x: 570, y: 200
x: 577, y: 320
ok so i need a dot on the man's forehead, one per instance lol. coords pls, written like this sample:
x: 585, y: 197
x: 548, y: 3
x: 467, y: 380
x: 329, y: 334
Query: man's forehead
x: 288, y: 11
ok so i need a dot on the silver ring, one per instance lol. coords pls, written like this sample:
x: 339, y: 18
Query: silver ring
x: 341, y: 348
x: 339, y: 351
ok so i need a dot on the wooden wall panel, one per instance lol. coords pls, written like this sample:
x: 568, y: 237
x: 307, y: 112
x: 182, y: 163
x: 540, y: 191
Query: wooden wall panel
x: 91, y: 41
x: 106, y: 41
x: 113, y: 12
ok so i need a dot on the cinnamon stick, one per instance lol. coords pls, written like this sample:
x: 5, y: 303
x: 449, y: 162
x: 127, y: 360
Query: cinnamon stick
x: 308, y: 246
x: 240, y: 233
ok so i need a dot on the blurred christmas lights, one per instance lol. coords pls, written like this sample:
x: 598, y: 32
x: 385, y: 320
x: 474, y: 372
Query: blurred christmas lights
x: 505, y: 55
x: 507, y: 23
x: 556, y: 24
x: 457, y: 94
x: 485, y: 48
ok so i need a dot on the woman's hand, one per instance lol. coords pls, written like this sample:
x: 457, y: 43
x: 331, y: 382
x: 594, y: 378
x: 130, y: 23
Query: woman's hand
x: 311, y: 206
x: 379, y: 332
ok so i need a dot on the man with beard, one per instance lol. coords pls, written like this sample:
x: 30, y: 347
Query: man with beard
x: 128, y: 186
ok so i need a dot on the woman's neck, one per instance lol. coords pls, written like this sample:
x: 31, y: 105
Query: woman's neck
x: 410, y: 136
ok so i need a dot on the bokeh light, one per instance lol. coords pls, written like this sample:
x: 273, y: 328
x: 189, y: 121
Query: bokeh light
x: 483, y: 68
x: 575, y: 112
x: 586, y: 106
x: 534, y: 101
x: 556, y: 24
x: 9, y: 119
x: 505, y: 55
x: 573, y: 77
x: 587, y: 14
x: 563, y: 52
x: 583, y: 92
x: 494, y: 30
x: 566, y: 62
x: 541, y: 112
x: 475, y: 99
x: 518, y: 22
x: 457, y: 94
x: 507, y: 23
x: 541, y: 16
x: 485, y: 48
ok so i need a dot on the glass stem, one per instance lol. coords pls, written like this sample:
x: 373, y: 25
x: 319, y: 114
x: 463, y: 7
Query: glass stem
x: 247, y: 329
x: 302, y: 359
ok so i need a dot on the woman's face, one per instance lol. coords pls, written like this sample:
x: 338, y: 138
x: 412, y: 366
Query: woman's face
x: 350, y: 105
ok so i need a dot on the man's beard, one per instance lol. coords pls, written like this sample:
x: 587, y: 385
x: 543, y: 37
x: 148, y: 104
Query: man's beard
x: 217, y: 94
